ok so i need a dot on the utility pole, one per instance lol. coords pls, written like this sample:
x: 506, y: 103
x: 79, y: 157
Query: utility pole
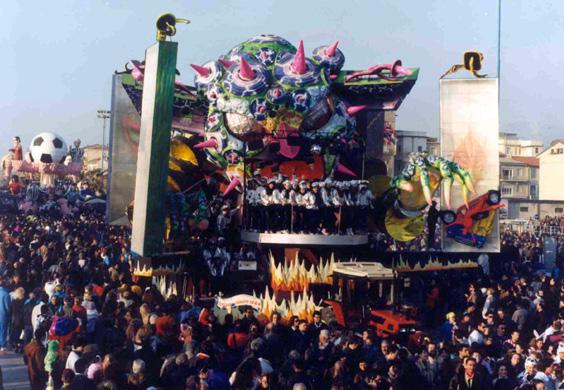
x: 104, y: 115
x: 499, y: 51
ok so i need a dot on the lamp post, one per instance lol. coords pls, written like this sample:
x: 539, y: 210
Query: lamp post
x: 104, y: 115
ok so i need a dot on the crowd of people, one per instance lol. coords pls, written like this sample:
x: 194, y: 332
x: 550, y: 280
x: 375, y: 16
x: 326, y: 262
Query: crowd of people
x: 70, y: 303
x: 288, y: 205
x: 66, y: 197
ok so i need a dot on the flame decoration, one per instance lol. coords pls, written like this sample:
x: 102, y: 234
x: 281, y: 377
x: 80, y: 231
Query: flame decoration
x: 165, y: 288
x: 296, y: 276
x: 148, y: 272
x: 303, y: 306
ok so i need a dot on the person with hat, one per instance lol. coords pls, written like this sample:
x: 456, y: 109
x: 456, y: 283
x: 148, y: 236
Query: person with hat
x: 337, y: 202
x: 288, y: 201
x: 275, y: 206
x: 347, y: 209
x: 327, y: 215
x: 264, y: 195
x: 311, y: 210
x: 531, y: 373
x: 364, y: 203
x: 252, y: 200
x: 317, y: 216
x: 301, y: 203
x: 225, y: 220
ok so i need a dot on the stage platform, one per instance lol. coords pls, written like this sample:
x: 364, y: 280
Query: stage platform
x: 304, y: 239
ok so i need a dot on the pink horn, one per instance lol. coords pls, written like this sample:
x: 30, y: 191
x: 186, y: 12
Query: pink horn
x: 202, y: 71
x: 234, y: 183
x: 353, y: 110
x: 299, y: 65
x: 344, y: 170
x: 226, y: 63
x: 245, y: 71
x: 211, y: 143
x: 331, y: 50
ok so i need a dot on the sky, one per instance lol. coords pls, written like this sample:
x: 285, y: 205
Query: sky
x: 58, y: 57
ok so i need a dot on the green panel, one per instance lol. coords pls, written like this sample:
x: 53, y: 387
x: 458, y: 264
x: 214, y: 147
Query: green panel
x: 152, y: 164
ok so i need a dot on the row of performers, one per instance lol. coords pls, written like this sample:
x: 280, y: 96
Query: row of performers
x: 289, y: 206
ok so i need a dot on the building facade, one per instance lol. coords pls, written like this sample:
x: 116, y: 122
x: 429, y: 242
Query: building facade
x: 93, y: 158
x: 510, y: 146
x: 411, y: 142
x: 551, y: 175
x: 518, y: 177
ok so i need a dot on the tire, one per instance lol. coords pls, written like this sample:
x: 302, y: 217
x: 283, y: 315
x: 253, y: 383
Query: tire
x: 447, y: 216
x: 494, y: 197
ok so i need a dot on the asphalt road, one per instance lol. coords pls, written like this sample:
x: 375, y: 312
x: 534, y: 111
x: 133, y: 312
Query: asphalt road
x: 14, y: 372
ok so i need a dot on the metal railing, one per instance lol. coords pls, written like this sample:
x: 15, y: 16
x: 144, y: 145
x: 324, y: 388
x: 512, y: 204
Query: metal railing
x: 535, y: 228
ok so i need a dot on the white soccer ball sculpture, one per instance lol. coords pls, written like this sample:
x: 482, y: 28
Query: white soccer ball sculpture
x: 48, y: 148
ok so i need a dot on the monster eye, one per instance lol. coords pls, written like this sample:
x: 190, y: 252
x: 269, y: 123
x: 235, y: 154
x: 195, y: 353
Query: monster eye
x: 241, y: 126
x: 300, y: 100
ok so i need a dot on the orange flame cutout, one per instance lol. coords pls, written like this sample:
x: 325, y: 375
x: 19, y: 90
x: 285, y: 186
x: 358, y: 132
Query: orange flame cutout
x: 303, y: 306
x: 296, y: 276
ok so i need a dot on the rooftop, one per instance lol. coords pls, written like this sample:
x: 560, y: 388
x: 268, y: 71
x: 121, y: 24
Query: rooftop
x: 530, y: 161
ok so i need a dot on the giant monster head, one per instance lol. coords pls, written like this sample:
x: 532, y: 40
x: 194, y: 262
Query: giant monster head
x: 267, y: 100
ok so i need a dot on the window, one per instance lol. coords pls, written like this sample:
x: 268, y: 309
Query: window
x: 537, y: 150
x: 533, y: 173
x: 419, y: 148
x: 533, y: 192
x: 507, y: 173
x: 559, y: 150
x: 507, y: 191
x: 378, y: 319
x: 559, y: 210
x: 524, y: 209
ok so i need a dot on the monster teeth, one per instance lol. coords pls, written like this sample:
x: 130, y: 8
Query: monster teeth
x: 202, y: 71
x: 299, y: 65
x: 331, y: 50
x: 245, y: 71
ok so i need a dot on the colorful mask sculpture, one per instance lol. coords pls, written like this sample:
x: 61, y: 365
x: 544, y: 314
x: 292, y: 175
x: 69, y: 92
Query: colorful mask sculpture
x: 268, y: 100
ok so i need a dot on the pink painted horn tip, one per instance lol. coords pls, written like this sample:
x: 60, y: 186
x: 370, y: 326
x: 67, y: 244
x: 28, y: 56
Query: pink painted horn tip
x: 226, y: 63
x: 353, y: 110
x: 211, y: 143
x: 202, y: 71
x: 299, y: 65
x: 234, y: 183
x: 245, y: 71
x: 344, y: 170
x: 332, y: 49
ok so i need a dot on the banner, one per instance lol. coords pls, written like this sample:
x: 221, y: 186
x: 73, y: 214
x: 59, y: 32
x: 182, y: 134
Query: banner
x: 239, y: 300
x: 469, y: 127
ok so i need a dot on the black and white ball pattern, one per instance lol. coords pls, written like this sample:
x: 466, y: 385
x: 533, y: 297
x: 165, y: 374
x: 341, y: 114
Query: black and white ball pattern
x: 48, y: 148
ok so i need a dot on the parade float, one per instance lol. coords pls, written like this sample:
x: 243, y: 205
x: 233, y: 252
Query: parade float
x: 49, y: 157
x: 265, y: 110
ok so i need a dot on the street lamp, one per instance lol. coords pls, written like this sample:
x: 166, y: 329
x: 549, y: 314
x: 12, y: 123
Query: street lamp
x: 104, y: 115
